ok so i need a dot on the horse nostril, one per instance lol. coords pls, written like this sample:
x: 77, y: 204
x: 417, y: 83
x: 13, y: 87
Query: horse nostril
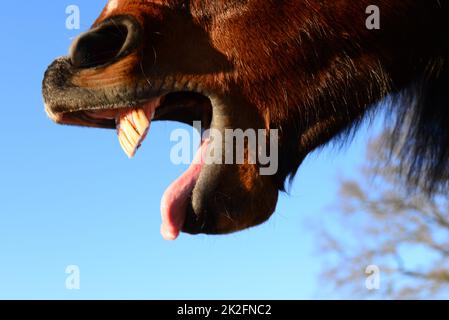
x: 111, y: 40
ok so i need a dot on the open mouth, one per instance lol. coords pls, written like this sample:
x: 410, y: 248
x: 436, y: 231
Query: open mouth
x: 124, y: 73
x: 133, y: 124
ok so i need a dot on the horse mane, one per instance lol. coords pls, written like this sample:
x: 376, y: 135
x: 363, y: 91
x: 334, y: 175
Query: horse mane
x: 420, y: 133
x: 416, y: 129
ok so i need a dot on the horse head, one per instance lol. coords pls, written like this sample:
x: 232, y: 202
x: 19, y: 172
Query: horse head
x: 309, y: 69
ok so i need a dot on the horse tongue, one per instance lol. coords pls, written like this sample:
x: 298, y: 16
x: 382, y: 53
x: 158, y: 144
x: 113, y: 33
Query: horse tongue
x: 177, y: 196
x: 133, y: 126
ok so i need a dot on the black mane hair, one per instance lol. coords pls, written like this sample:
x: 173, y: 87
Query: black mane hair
x: 420, y: 135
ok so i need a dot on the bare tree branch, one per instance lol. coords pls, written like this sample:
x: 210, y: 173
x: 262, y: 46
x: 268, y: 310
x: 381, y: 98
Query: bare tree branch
x: 379, y: 221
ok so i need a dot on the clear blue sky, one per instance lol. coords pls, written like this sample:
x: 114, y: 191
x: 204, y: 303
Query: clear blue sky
x: 70, y: 196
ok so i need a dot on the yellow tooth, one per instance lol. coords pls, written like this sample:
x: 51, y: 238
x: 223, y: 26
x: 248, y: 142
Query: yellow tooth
x: 140, y: 121
x: 132, y: 127
x: 123, y: 145
x: 131, y: 133
x: 126, y: 145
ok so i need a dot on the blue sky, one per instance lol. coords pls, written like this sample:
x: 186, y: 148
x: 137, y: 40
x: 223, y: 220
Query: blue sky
x: 69, y: 196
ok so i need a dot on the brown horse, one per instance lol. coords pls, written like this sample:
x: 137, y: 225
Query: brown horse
x: 310, y: 68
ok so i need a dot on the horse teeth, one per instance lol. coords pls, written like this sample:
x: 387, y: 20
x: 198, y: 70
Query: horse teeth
x: 126, y: 146
x: 131, y: 133
x: 132, y: 128
x: 140, y: 120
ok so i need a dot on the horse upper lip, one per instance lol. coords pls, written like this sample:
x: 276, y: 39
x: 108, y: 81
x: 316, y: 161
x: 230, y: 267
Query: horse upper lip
x: 67, y: 103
